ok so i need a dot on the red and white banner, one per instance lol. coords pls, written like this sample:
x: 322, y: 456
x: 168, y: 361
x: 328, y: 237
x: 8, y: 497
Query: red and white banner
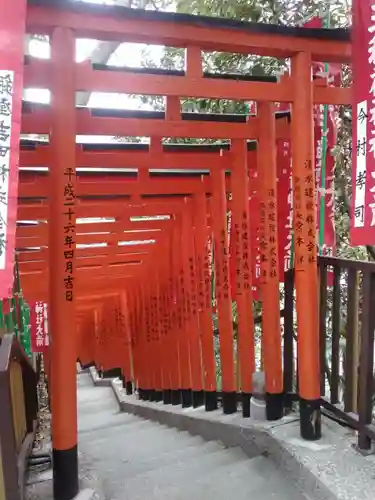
x: 39, y: 327
x: 329, y: 239
x: 362, y: 223
x: 12, y: 28
x: 328, y: 243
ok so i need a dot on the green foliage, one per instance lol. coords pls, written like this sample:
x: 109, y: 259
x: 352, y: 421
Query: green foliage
x: 283, y: 12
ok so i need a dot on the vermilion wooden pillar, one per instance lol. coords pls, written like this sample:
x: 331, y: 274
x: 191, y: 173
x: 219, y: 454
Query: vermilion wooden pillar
x: 306, y: 276
x: 146, y: 359
x: 163, y: 278
x: 137, y: 334
x: 156, y: 330
x: 243, y: 284
x: 175, y: 321
x: 140, y: 331
x: 131, y: 295
x: 105, y: 332
x: 192, y: 325
x: 116, y: 346
x: 270, y: 283
x: 204, y: 301
x: 62, y: 284
x: 143, y: 378
x: 127, y: 361
x: 98, y: 337
x: 183, y: 337
x: 223, y: 292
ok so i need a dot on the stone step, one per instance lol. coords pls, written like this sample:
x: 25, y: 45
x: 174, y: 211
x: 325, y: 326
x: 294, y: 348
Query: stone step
x: 249, y: 479
x: 140, y: 464
x: 179, y: 475
x: 136, y: 459
x: 100, y: 423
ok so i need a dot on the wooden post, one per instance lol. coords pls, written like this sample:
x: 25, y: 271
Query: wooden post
x: 134, y: 333
x: 62, y: 247
x: 100, y: 337
x: 139, y: 331
x: 184, y: 306
x: 137, y: 335
x: 175, y: 319
x: 128, y: 378
x: 243, y: 280
x: 306, y: 275
x: 167, y: 315
x: 270, y: 284
x: 351, y: 360
x: 148, y: 360
x: 192, y: 325
x: 157, y: 334
x: 201, y: 235
x: 113, y: 368
x: 140, y: 342
x: 223, y: 295
x: 125, y: 349
x: 162, y: 273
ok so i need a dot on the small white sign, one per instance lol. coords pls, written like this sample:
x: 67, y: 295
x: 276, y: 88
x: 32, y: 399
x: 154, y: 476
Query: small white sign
x: 360, y: 181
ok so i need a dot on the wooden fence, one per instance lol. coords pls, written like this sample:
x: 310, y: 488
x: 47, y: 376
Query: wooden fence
x: 18, y: 413
x: 346, y: 333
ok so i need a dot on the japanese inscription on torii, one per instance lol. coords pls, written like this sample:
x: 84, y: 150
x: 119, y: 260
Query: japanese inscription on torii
x: 6, y: 94
x: 70, y: 232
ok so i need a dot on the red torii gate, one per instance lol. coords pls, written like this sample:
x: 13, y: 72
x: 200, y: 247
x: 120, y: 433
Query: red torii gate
x: 181, y: 273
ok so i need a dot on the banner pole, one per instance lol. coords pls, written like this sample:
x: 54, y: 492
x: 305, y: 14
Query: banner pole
x: 324, y: 159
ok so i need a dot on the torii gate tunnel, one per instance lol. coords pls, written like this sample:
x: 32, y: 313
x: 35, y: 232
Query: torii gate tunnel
x: 146, y: 310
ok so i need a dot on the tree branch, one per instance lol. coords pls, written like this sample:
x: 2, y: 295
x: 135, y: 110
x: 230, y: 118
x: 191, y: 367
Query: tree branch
x: 345, y: 200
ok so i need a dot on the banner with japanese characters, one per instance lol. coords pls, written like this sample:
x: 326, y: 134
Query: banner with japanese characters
x: 12, y: 28
x: 39, y: 327
x: 325, y: 132
x: 362, y: 223
x: 325, y: 187
x: 6, y: 252
x: 325, y: 137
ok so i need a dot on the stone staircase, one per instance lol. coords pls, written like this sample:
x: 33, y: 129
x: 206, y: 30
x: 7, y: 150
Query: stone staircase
x: 135, y: 459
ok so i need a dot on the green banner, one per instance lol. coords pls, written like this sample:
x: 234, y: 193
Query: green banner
x: 15, y: 314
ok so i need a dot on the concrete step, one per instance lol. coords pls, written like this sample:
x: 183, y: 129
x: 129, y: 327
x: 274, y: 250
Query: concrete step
x: 141, y: 464
x: 132, y: 431
x: 100, y: 423
x: 276, y: 490
x: 178, y: 475
x: 138, y: 463
x: 143, y: 440
x: 92, y: 413
x: 249, y: 479
x: 99, y: 429
x: 147, y: 432
x: 136, y: 459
